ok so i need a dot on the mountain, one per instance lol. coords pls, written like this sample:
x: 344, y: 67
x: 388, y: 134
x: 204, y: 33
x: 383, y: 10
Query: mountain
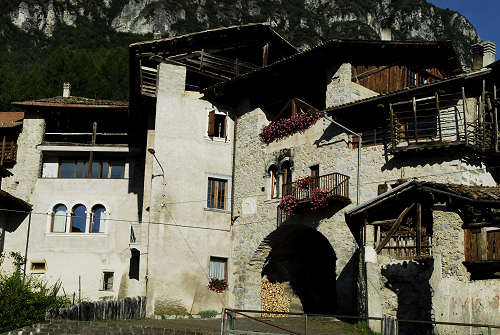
x: 46, y: 42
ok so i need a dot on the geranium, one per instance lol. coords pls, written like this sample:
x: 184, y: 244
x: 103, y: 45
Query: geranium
x: 304, y: 182
x: 319, y: 198
x: 288, y: 203
x: 281, y: 128
x: 217, y: 285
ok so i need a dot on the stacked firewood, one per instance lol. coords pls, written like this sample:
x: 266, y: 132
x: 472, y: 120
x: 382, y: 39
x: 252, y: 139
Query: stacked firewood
x: 274, y: 298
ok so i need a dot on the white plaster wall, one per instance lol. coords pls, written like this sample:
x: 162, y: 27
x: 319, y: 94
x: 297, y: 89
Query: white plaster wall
x: 179, y: 256
x: 70, y: 255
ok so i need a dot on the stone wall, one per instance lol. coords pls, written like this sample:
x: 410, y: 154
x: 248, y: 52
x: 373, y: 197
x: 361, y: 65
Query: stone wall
x: 327, y: 145
x: 433, y: 289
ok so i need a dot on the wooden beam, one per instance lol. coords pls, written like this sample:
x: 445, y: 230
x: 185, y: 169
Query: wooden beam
x: 382, y: 222
x: 394, y: 228
x: 439, y: 117
x: 419, y: 228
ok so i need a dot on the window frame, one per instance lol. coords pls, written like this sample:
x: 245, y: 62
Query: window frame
x: 53, y: 219
x: 212, y: 132
x: 73, y: 216
x: 220, y: 260
x: 104, y: 286
x: 89, y: 167
x: 33, y: 269
x: 216, y: 193
x: 101, y: 219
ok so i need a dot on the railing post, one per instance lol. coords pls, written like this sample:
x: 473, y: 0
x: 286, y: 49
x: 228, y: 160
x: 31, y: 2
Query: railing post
x: 393, y: 139
x: 464, y: 103
x: 415, y: 119
x: 439, y: 117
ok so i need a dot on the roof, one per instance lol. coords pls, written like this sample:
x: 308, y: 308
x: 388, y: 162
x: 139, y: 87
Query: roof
x: 348, y: 51
x: 11, y: 119
x: 74, y: 102
x: 184, y: 43
x: 8, y: 201
x: 478, y: 194
x: 410, y: 92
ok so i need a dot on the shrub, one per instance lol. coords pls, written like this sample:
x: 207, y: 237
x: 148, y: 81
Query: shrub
x: 207, y: 314
x: 25, y: 301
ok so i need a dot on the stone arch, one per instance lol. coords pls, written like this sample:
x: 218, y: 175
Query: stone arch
x: 304, y: 258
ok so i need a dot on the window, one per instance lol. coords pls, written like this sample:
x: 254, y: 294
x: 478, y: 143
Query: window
x: 58, y: 224
x: 135, y: 258
x: 97, y: 222
x: 216, y: 124
x: 100, y: 169
x: 107, y: 281
x: 38, y: 266
x: 218, y: 267
x: 216, y: 195
x: 286, y: 172
x: 273, y: 172
x: 78, y: 219
x: 315, y: 175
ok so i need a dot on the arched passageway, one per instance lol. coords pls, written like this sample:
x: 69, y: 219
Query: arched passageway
x: 303, y: 257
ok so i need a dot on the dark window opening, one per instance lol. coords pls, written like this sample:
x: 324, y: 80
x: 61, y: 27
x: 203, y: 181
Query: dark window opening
x: 217, y: 124
x: 133, y: 272
x: 38, y: 266
x: 97, y: 223
x: 107, y: 281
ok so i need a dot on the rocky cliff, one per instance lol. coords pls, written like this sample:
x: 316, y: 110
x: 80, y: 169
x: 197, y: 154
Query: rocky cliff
x: 304, y: 22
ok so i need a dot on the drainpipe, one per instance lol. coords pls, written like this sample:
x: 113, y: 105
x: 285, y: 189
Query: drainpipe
x: 359, y: 152
x: 27, y: 242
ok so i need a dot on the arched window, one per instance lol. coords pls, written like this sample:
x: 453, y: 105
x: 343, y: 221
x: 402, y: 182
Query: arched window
x: 78, y: 219
x: 273, y: 172
x: 97, y: 221
x: 58, y: 224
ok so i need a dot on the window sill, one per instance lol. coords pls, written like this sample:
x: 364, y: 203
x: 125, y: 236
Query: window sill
x: 272, y: 201
x: 217, y: 210
x: 77, y: 234
x: 214, y: 139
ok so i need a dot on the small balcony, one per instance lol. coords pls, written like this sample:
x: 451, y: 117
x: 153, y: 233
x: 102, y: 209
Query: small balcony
x: 335, y: 184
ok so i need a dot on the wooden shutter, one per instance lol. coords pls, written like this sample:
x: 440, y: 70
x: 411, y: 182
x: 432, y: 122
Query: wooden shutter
x: 224, y: 127
x: 211, y: 123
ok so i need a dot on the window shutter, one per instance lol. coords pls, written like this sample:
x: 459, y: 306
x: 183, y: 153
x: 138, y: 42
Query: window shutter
x: 224, y: 128
x: 211, y: 123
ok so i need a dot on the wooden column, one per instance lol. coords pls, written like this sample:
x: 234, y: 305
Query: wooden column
x: 415, y: 118
x: 393, y: 139
x: 482, y: 114
x: 464, y: 106
x: 439, y: 117
x: 484, y: 244
x: 495, y: 116
x: 419, y: 229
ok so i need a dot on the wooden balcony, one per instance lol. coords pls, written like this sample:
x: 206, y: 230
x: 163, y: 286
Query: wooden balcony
x: 9, y: 152
x: 442, y: 121
x: 336, y: 183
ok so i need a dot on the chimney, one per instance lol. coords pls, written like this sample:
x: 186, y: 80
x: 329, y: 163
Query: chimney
x: 386, y: 34
x: 483, y: 54
x: 66, y: 90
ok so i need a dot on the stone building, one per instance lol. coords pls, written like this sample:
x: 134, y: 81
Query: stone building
x: 217, y: 188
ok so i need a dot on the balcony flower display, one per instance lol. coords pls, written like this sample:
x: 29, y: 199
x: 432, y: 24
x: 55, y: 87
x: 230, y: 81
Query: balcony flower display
x: 217, y: 285
x: 281, y: 128
x: 304, y: 182
x: 319, y: 198
x: 288, y: 203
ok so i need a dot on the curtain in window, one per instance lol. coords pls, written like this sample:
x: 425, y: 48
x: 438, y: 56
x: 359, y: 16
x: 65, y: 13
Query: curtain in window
x: 98, y: 220
x: 217, y: 268
x: 59, y: 219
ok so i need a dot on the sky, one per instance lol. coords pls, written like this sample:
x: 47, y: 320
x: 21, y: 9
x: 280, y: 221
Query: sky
x: 483, y: 14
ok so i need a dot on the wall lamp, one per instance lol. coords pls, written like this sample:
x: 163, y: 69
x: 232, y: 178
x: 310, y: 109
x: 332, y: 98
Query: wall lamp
x: 152, y: 151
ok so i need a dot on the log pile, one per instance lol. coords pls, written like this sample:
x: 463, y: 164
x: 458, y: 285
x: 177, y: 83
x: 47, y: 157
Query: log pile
x: 274, y: 298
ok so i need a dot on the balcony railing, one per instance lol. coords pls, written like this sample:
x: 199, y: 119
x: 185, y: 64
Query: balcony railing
x: 336, y: 183
x: 8, y: 153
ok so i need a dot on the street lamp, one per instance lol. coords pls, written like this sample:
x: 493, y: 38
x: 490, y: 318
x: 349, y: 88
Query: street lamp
x: 152, y: 151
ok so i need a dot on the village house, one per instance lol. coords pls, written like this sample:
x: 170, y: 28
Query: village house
x: 246, y: 160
